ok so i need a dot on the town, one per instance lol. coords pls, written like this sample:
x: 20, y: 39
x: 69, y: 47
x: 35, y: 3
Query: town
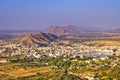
x: 56, y: 50
x: 69, y: 58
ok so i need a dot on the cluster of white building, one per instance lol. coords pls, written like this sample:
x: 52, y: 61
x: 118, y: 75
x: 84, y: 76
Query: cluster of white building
x: 11, y: 49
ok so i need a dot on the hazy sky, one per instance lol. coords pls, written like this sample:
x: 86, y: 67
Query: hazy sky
x: 37, y: 14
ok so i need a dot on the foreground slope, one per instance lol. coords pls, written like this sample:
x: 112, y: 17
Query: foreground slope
x: 40, y: 38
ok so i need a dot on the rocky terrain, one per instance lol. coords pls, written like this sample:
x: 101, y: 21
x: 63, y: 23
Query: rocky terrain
x: 40, y: 38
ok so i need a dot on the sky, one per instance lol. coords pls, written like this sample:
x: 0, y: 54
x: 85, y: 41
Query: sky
x: 39, y: 14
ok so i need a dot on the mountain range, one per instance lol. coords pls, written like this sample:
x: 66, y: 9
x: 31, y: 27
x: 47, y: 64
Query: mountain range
x: 52, y: 33
x: 72, y: 30
x: 61, y: 31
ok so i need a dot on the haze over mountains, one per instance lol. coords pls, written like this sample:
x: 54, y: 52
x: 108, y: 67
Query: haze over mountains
x: 74, y: 27
x: 71, y: 30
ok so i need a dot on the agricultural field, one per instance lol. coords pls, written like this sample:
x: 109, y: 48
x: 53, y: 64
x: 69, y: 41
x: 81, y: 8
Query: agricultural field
x: 61, y: 68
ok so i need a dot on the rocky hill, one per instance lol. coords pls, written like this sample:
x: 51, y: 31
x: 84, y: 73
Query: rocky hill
x: 61, y: 31
x: 46, y: 36
x: 40, y: 38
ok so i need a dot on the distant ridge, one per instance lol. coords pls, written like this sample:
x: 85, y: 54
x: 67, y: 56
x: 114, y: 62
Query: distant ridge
x: 116, y: 31
x: 72, y: 30
x: 40, y: 38
x: 61, y: 31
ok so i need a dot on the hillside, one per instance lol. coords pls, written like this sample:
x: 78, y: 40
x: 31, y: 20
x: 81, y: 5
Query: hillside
x: 46, y: 36
x: 40, y: 38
